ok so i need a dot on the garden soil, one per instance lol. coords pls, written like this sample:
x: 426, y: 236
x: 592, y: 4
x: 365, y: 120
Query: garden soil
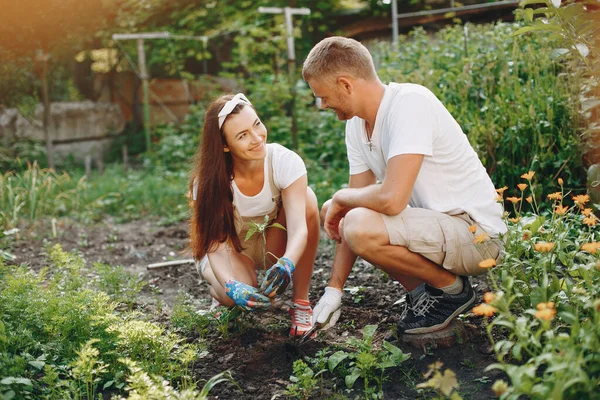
x: 258, y: 351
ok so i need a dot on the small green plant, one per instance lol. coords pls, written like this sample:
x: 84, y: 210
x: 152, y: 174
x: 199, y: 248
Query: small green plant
x: 303, y: 380
x: 368, y: 362
x: 186, y: 317
x: 261, y: 228
x: 443, y: 383
x: 121, y: 285
x: 142, y: 386
x: 88, y: 369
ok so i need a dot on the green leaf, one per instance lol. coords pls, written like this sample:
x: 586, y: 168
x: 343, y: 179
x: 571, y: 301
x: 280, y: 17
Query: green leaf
x: 335, y: 359
x: 369, y: 332
x: 277, y: 225
x: 354, y: 375
x: 528, y: 2
x: 37, y: 364
x: 250, y: 233
x: 11, y: 379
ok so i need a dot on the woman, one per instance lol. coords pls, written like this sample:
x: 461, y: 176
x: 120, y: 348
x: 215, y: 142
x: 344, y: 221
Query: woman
x: 238, y: 179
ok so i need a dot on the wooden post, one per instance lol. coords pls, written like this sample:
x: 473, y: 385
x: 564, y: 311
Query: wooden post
x: 288, y: 12
x: 88, y: 166
x: 100, y: 160
x: 146, y: 91
x: 43, y: 58
x: 125, y: 159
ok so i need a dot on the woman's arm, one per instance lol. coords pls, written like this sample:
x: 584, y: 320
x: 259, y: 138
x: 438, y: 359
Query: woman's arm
x: 294, y: 204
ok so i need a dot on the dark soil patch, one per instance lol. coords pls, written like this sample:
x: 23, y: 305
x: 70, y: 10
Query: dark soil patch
x: 260, y: 356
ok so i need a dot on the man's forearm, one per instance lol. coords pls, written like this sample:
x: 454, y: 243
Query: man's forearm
x: 370, y: 197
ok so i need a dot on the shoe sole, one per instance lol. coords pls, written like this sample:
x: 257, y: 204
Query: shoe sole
x: 444, y: 324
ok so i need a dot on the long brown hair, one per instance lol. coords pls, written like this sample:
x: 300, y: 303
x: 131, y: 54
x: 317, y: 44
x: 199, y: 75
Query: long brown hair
x: 212, y: 219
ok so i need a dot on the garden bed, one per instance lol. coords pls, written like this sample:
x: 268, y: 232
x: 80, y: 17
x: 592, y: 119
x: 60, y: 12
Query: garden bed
x: 260, y: 357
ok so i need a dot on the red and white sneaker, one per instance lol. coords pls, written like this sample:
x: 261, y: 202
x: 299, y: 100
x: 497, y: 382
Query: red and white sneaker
x: 301, y: 318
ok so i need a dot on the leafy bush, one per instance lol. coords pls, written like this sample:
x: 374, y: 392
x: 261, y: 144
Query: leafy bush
x: 36, y: 192
x: 61, y: 339
x: 546, y: 297
x: 512, y: 101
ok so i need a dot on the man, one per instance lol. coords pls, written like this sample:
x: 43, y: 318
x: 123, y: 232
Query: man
x: 416, y: 224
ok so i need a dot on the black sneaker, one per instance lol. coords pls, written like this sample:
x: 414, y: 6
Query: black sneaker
x: 434, y: 309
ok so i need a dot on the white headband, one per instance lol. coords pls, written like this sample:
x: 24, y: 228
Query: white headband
x: 230, y: 105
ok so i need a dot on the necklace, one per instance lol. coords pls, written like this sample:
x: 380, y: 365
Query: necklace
x: 369, y: 136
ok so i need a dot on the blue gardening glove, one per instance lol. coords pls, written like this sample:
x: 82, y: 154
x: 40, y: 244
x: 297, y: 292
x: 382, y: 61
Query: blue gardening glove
x: 278, y: 277
x: 245, y: 296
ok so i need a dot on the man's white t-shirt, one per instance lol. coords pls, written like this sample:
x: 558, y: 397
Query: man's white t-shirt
x: 452, y: 180
x: 287, y: 168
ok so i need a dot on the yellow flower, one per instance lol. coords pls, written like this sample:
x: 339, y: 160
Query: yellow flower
x: 484, y: 309
x: 488, y: 297
x: 481, y: 238
x: 590, y: 247
x: 545, y: 311
x: 561, y: 210
x: 513, y: 199
x: 581, y: 199
x: 591, y: 220
x: 473, y: 228
x: 529, y: 199
x: 544, y: 247
x: 555, y: 196
x: 487, y: 263
x: 501, y: 190
x: 522, y: 186
x: 587, y: 212
x: 528, y: 175
x: 560, y: 181
x: 499, y: 387
x: 514, y: 220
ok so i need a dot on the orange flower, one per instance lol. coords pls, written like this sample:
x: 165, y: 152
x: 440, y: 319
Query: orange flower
x: 488, y: 297
x: 587, y: 212
x: 544, y: 247
x: 560, y: 181
x: 487, y: 263
x: 528, y: 175
x: 522, y: 186
x: 591, y: 220
x: 527, y: 234
x: 545, y: 311
x: 484, y: 309
x: 501, y: 190
x: 561, y: 210
x: 590, y: 247
x: 473, y: 228
x: 513, y: 199
x: 514, y: 220
x: 555, y: 196
x: 581, y: 199
x: 481, y: 238
x: 499, y: 199
x: 529, y: 199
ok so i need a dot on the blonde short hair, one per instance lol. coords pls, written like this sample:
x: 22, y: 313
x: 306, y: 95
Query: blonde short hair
x: 337, y: 56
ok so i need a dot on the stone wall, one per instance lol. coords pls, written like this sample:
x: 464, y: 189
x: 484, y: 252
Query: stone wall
x: 77, y: 128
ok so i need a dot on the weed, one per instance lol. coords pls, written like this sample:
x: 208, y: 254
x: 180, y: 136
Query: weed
x: 367, y: 362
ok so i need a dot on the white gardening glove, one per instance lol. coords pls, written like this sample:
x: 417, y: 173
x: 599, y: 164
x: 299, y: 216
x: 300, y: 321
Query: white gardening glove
x: 328, y: 307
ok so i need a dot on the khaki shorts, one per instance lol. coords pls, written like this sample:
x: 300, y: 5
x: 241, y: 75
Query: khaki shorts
x: 442, y: 238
